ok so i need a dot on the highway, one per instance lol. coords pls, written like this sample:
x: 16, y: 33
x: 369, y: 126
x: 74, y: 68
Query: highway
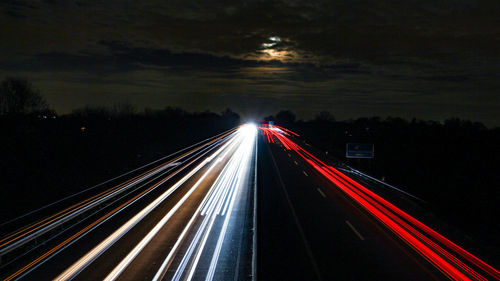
x: 249, y: 204
x: 189, y: 217
x: 322, y: 225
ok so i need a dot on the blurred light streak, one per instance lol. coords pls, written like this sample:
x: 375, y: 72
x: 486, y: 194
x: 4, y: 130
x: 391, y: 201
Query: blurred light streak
x: 75, y: 237
x: 83, y: 262
x: 113, y: 275
x: 392, y: 217
x: 36, y: 229
x: 222, y: 193
x: 57, y: 219
x: 222, y: 197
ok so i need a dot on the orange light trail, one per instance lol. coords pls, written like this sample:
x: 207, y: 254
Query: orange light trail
x: 109, y: 214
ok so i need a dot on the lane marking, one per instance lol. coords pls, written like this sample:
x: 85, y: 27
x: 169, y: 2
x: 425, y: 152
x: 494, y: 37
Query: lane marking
x: 305, y: 173
x: 254, y: 248
x: 296, y: 219
x: 321, y: 192
x: 355, y: 231
x: 289, y: 155
x: 295, y: 162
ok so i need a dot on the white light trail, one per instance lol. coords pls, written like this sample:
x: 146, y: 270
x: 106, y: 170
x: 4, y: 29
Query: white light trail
x: 219, y: 201
x: 226, y: 189
x: 113, y: 275
x: 55, y: 222
x: 83, y: 262
x: 229, y: 207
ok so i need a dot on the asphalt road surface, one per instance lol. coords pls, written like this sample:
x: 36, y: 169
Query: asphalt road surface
x: 248, y: 204
x: 189, y: 218
x: 310, y: 231
x: 317, y: 223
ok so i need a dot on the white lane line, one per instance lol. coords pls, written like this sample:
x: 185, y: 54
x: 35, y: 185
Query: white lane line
x: 296, y: 219
x: 305, y: 173
x: 354, y: 230
x: 289, y: 155
x: 296, y: 163
x: 321, y: 192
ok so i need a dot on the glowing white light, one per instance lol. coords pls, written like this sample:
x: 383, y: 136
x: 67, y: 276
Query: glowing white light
x: 248, y: 131
x: 268, y: 45
x: 275, y: 39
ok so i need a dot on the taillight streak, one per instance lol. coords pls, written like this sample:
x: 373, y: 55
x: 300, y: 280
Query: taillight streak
x: 394, y: 218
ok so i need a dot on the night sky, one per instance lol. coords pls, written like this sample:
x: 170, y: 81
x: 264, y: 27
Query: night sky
x: 429, y: 59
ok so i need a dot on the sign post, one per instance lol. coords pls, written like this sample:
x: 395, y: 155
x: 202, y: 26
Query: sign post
x: 359, y: 150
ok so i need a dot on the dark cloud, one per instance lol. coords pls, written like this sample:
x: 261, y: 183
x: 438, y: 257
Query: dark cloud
x: 422, y: 58
x: 315, y: 30
x: 123, y: 53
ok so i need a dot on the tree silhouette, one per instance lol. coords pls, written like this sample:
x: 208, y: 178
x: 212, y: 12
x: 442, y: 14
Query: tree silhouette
x: 229, y: 114
x: 124, y: 109
x: 285, y: 117
x: 324, y: 116
x: 17, y: 96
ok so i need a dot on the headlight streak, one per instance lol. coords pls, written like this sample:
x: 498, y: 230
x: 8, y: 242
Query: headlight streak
x: 196, y: 146
x: 36, y: 229
x: 194, y: 155
x: 72, y: 212
x: 394, y: 220
x: 227, y: 182
x: 95, y: 212
x: 161, y: 271
x: 128, y: 259
x: 228, y: 185
x: 83, y: 262
x: 217, y: 191
x: 215, y: 256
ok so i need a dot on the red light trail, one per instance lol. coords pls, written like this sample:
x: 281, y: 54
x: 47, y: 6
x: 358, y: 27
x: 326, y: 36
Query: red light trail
x: 417, y: 235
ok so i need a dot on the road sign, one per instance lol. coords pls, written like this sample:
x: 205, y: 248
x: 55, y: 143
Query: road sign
x: 360, y: 150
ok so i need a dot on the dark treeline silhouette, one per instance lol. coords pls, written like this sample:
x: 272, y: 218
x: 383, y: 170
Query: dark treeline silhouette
x: 453, y: 165
x: 46, y: 157
x: 19, y: 97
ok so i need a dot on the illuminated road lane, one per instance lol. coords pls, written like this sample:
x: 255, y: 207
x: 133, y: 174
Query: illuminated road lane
x: 133, y: 243
x: 194, y: 220
x: 203, y: 234
x: 97, y: 220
